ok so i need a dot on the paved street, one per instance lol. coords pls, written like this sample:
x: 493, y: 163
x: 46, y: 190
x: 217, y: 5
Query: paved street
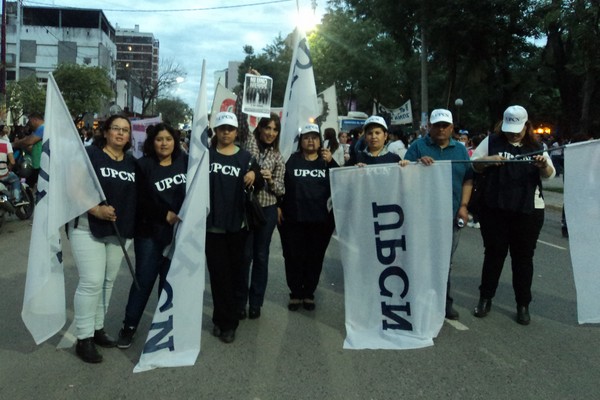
x: 286, y: 355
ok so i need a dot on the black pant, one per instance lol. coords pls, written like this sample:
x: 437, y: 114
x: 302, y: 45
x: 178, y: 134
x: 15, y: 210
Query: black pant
x: 304, y: 246
x: 225, y: 260
x: 503, y: 231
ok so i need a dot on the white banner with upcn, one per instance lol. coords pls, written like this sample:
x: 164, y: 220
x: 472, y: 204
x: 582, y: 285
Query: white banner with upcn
x: 395, y: 240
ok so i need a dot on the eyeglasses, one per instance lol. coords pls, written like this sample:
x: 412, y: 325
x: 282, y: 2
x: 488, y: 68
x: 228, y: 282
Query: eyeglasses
x: 119, y: 129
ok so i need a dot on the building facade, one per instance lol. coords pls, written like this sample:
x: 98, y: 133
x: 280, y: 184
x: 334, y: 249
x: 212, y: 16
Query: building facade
x: 47, y: 37
x: 137, y: 62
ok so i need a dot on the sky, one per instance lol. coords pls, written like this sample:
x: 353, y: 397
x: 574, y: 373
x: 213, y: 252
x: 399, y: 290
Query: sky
x: 203, y: 30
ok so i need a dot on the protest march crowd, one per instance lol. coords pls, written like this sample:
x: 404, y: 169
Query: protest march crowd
x: 253, y: 190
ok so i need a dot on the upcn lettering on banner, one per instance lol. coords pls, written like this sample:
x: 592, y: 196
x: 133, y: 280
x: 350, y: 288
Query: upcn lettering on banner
x: 387, y: 221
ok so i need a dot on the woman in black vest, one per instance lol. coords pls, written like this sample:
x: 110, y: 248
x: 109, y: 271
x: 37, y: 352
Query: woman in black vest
x: 512, y: 210
x: 94, y: 243
x: 305, y: 223
x: 231, y: 170
x: 161, y: 182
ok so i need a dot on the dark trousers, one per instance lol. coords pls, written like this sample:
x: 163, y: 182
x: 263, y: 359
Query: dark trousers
x: 253, y: 285
x: 149, y: 264
x: 225, y: 259
x: 304, y: 246
x: 503, y: 231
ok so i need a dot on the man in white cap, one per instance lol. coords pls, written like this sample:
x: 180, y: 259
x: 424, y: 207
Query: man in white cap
x: 439, y: 145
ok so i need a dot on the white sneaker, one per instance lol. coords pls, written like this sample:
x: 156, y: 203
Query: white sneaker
x: 470, y: 224
x: 476, y: 225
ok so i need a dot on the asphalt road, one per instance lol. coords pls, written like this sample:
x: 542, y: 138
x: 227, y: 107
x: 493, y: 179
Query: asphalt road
x: 286, y: 355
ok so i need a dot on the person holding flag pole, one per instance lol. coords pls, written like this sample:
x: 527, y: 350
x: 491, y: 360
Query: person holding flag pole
x: 512, y: 207
x: 94, y: 236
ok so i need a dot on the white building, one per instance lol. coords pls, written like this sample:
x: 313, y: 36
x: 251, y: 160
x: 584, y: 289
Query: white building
x: 49, y: 36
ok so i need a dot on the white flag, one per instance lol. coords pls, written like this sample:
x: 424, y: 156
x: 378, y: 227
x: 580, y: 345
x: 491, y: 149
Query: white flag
x: 67, y: 187
x: 582, y: 210
x: 328, y: 111
x: 174, y: 337
x: 300, y: 102
x: 224, y: 100
x: 395, y: 250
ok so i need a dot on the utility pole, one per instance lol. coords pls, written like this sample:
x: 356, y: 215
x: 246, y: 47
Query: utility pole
x: 3, y: 50
x: 424, y: 81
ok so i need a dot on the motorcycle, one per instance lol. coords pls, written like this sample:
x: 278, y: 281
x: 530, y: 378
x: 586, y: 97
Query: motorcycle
x: 24, y: 209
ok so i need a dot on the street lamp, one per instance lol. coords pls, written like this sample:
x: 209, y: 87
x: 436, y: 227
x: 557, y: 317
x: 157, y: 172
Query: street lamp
x: 458, y: 103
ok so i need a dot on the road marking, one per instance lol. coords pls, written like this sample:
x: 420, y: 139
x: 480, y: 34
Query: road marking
x: 457, y: 325
x: 552, y: 245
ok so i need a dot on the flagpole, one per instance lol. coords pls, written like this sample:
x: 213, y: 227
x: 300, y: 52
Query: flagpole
x: 127, y: 259
x: 542, y: 151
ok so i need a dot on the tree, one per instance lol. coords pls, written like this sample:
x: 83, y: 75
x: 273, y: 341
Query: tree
x: 571, y: 58
x: 363, y: 61
x: 150, y: 90
x: 174, y: 111
x: 24, y: 97
x: 479, y: 50
x: 84, y: 89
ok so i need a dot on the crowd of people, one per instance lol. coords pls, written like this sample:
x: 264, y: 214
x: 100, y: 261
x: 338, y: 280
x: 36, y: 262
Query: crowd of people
x: 293, y: 197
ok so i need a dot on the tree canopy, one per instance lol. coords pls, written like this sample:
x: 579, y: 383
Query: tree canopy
x: 84, y: 89
x: 542, y: 54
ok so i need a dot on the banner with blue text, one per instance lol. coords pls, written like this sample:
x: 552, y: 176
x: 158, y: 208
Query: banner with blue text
x: 395, y: 240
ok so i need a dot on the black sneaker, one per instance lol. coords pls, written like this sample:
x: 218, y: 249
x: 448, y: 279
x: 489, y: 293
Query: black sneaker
x: 227, y: 336
x: 254, y: 313
x: 102, y: 339
x: 125, y: 337
x: 86, y: 350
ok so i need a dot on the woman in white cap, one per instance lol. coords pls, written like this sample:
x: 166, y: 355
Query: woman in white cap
x: 512, y: 208
x: 305, y: 223
x: 231, y: 171
x: 376, y: 152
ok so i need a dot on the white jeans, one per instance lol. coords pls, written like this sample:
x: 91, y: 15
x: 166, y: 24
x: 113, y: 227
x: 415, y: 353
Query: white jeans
x: 98, y: 261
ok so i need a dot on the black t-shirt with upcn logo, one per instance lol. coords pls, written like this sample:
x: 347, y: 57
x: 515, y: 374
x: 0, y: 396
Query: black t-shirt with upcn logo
x: 117, y: 179
x: 160, y: 189
x: 306, y: 189
x: 226, y: 174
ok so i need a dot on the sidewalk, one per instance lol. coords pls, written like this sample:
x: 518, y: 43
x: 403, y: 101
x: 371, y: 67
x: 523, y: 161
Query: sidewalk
x: 553, y: 199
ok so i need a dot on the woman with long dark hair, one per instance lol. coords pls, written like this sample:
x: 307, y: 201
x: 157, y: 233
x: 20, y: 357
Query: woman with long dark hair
x: 161, y: 179
x: 512, y: 209
x: 263, y: 144
x: 94, y: 242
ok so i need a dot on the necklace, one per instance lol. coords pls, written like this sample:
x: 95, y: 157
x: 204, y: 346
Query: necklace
x: 112, y: 155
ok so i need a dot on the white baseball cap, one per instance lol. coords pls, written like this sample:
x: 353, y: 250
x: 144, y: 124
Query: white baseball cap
x: 440, y: 115
x: 514, y: 120
x: 226, y: 118
x: 375, y: 119
x: 311, y: 128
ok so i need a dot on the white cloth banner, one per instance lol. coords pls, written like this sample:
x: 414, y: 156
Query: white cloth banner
x: 582, y: 210
x: 397, y: 116
x: 174, y: 337
x: 395, y: 241
x: 138, y: 134
x: 67, y: 187
x: 328, y: 114
x: 300, y: 102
